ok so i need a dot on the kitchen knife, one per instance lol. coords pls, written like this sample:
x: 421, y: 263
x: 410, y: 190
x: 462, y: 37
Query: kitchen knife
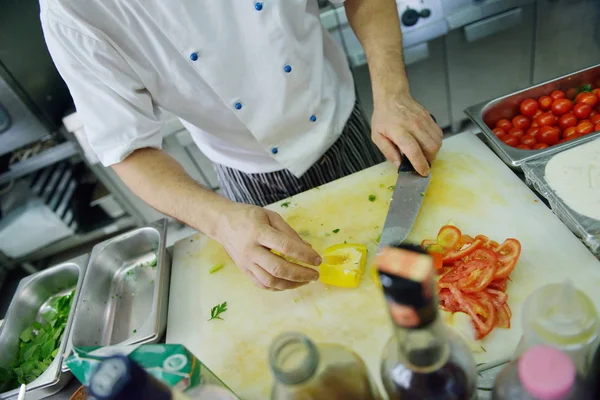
x: 406, y: 203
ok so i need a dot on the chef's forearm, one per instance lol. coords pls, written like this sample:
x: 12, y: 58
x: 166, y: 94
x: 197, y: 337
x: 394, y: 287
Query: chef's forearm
x: 161, y: 181
x: 377, y: 27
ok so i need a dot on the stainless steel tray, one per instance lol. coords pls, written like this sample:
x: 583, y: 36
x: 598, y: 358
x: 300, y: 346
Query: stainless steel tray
x: 30, y: 301
x: 486, y: 114
x: 124, y: 297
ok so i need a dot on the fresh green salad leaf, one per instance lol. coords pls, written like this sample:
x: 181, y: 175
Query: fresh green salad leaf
x: 216, y: 311
x: 38, y: 345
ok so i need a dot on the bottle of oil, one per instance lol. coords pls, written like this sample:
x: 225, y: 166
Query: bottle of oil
x: 304, y: 370
x: 423, y: 359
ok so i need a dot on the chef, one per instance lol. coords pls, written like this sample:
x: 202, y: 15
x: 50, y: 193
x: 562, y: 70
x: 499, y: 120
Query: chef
x: 264, y: 91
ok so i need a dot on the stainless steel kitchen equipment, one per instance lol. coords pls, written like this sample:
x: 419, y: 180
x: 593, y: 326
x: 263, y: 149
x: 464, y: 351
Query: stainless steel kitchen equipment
x: 125, y: 292
x: 31, y: 299
x: 487, y: 113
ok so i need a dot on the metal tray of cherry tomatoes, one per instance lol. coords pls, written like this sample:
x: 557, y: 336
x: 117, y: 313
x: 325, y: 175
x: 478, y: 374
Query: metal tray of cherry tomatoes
x: 542, y: 120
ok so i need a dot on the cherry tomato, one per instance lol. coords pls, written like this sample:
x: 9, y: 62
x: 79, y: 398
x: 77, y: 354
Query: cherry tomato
x: 567, y: 120
x: 521, y: 122
x: 596, y: 92
x: 545, y: 103
x: 529, y: 107
x: 558, y: 94
x: 533, y: 131
x: 571, y: 93
x: 539, y: 146
x: 585, y: 127
x: 516, y: 133
x: 582, y: 110
x: 594, y: 112
x: 548, y: 135
x: 523, y: 147
x: 578, y: 97
x: 498, y: 131
x: 589, y: 98
x: 511, y: 141
x: 570, y: 133
x: 537, y: 114
x: 561, y: 106
x: 597, y: 127
x: 504, y: 124
x: 594, y: 119
x: 528, y: 140
x: 546, y: 119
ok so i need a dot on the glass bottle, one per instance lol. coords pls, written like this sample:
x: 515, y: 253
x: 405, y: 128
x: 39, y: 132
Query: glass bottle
x: 423, y: 359
x: 304, y: 370
x: 562, y: 316
x: 541, y: 373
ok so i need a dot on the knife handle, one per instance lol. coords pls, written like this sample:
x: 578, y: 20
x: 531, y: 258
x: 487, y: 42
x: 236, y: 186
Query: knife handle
x: 405, y: 164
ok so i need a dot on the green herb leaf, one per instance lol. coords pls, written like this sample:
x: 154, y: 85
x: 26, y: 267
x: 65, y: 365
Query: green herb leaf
x: 372, y: 198
x: 216, y: 311
x: 154, y: 262
x: 392, y: 187
x: 335, y: 230
x: 286, y: 204
x: 378, y: 238
x: 134, y: 331
x: 216, y: 268
x: 423, y: 194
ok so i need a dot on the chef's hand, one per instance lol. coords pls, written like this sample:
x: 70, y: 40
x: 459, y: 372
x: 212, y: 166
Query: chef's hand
x: 248, y: 233
x: 400, y: 124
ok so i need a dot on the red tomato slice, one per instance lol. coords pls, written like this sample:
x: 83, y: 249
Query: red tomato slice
x: 438, y: 260
x: 509, y: 253
x: 457, y: 255
x: 447, y: 301
x: 499, y: 284
x: 480, y: 274
x: 465, y: 239
x: 432, y: 246
x: 503, y: 316
x: 497, y: 296
x: 444, y: 270
x: 487, y: 242
x: 449, y: 236
x: 479, y: 307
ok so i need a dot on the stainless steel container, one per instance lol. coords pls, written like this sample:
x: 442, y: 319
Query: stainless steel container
x: 486, y: 114
x: 125, y: 292
x: 30, y: 301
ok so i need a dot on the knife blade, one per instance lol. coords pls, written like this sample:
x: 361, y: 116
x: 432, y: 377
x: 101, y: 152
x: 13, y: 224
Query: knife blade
x: 405, y: 205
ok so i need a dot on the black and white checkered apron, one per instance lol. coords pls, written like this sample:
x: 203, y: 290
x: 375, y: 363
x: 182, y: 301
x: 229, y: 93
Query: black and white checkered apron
x: 352, y: 152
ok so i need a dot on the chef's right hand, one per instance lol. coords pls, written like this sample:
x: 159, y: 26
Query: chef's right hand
x: 248, y: 233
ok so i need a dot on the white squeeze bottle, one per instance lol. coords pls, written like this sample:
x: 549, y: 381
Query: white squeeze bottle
x: 561, y: 316
x: 541, y: 373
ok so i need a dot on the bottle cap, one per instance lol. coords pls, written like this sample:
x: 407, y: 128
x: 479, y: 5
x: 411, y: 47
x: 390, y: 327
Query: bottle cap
x: 406, y: 274
x: 546, y: 373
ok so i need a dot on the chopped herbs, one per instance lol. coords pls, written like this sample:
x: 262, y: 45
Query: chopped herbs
x: 392, y: 187
x: 372, y: 198
x: 381, y: 185
x: 216, y: 311
x: 216, y: 268
x: 135, y: 331
x: 154, y: 262
x: 378, y: 238
x: 335, y: 230
x: 286, y: 204
x: 423, y: 194
x: 38, y: 345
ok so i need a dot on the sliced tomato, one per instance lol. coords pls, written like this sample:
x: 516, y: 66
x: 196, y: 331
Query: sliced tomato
x: 459, y: 271
x: 449, y: 237
x: 487, y: 242
x: 508, y: 255
x: 447, y: 301
x: 479, y: 307
x: 499, y: 284
x: 432, y: 246
x: 444, y: 270
x: 465, y: 239
x: 463, y: 252
x: 480, y: 271
x: 498, y: 297
x: 438, y: 260
x: 503, y: 316
x: 508, y: 310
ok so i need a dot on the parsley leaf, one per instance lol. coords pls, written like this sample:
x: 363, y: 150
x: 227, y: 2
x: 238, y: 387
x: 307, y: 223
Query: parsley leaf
x: 286, y: 204
x: 216, y: 311
x: 372, y: 198
x: 335, y: 230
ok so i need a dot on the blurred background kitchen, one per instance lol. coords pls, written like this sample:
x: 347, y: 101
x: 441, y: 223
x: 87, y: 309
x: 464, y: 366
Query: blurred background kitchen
x: 56, y: 200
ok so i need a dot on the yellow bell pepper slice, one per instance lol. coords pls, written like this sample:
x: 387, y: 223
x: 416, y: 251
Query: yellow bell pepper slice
x: 343, y: 265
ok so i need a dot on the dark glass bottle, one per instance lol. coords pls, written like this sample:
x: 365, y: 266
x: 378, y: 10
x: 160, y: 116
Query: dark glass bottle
x: 423, y: 359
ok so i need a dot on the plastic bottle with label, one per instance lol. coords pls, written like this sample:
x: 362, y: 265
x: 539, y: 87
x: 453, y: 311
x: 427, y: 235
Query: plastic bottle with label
x: 541, y: 373
x: 303, y: 370
x: 561, y: 316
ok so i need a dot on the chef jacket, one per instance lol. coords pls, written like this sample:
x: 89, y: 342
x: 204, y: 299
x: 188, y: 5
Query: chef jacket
x: 260, y: 85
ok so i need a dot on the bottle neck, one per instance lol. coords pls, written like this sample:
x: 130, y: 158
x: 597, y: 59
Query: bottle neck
x: 423, y: 348
x: 293, y: 359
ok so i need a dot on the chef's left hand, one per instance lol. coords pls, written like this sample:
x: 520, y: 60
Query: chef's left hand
x: 400, y: 124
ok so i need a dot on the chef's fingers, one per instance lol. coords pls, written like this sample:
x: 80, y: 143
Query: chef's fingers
x: 279, y: 223
x: 427, y: 139
x: 432, y: 129
x: 271, y: 282
x: 410, y: 147
x: 290, y: 246
x: 255, y: 280
x: 280, y: 268
x: 387, y: 147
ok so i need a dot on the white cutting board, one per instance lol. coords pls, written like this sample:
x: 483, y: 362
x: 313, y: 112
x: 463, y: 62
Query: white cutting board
x: 470, y: 187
